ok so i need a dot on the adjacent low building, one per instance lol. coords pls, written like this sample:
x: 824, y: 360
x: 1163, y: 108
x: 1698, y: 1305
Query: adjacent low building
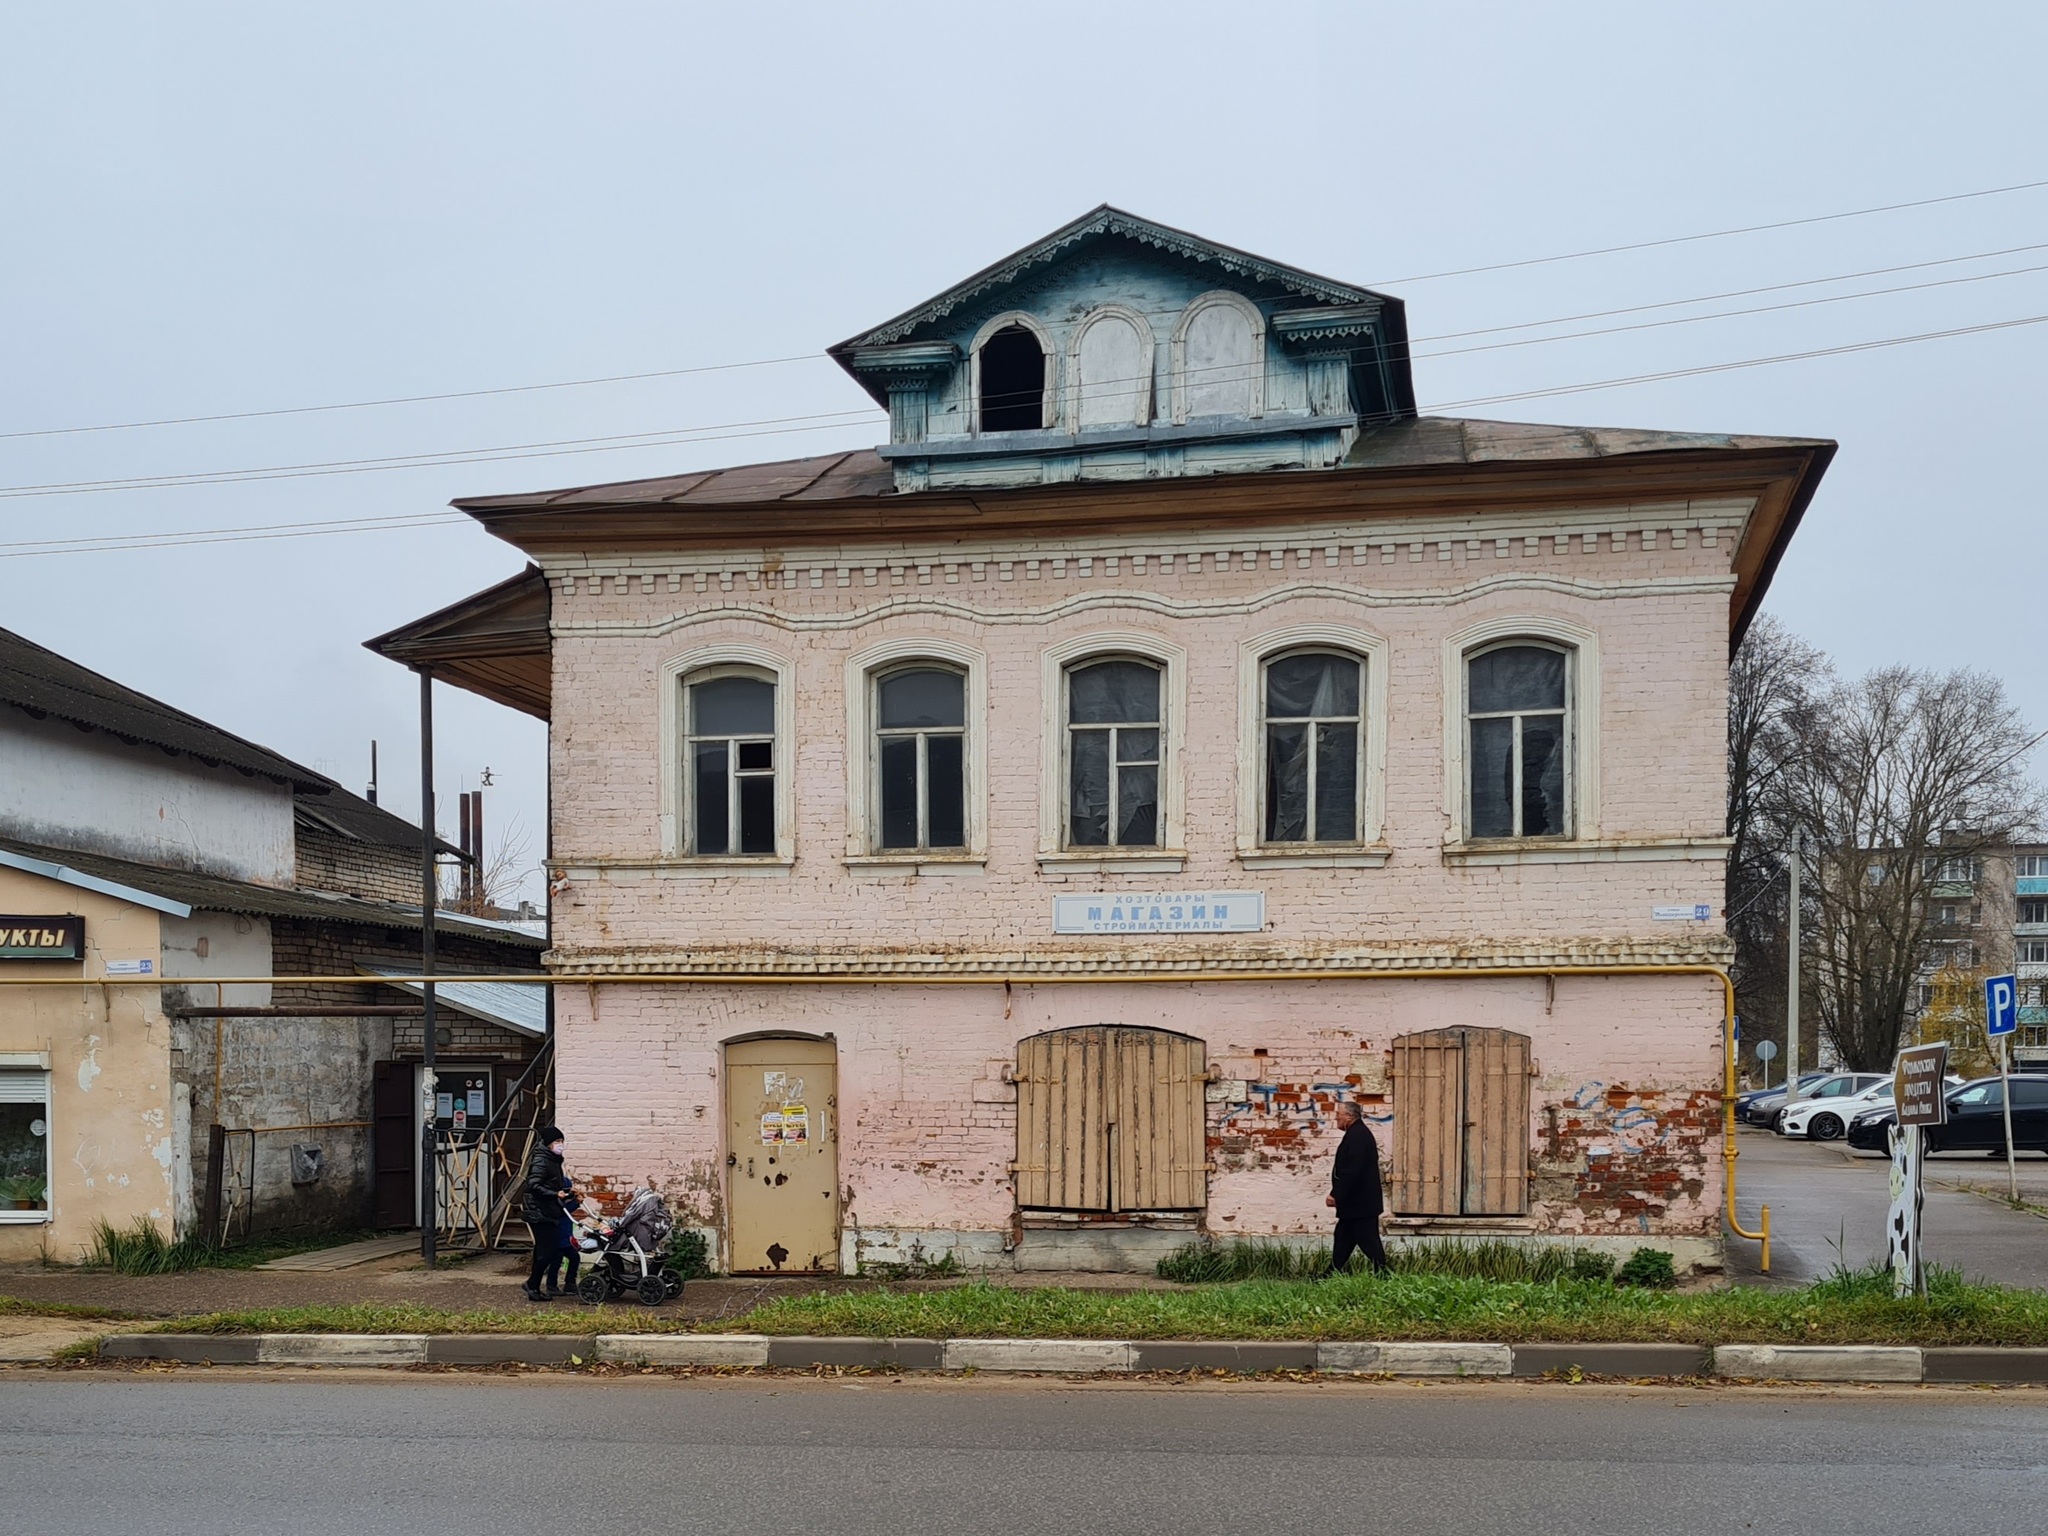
x: 144, y: 851
x: 1012, y: 841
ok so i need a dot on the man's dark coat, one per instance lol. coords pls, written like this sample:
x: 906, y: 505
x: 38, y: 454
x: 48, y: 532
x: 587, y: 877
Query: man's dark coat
x: 1355, y: 1174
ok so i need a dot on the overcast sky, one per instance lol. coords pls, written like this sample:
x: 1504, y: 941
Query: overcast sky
x: 210, y: 209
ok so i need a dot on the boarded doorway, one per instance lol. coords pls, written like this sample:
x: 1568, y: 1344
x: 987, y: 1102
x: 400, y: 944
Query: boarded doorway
x: 1111, y: 1119
x: 782, y: 1151
x: 1461, y: 1123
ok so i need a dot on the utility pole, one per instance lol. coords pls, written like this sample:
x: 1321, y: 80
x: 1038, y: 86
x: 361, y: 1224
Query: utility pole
x: 429, y: 1137
x: 1792, y: 976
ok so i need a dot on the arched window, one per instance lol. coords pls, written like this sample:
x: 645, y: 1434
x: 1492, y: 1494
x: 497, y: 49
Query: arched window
x: 1518, y: 741
x: 1110, y: 382
x: 730, y: 750
x: 1219, y: 359
x: 1314, y: 747
x: 920, y: 773
x: 1011, y: 370
x: 1113, y: 753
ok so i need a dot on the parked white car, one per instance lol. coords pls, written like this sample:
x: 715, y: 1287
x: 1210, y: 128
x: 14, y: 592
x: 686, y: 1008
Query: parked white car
x: 1825, y: 1119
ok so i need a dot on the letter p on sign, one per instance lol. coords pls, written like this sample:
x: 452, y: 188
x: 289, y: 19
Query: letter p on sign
x: 2001, y: 1005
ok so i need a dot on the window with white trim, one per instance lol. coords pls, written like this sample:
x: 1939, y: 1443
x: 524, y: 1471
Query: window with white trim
x: 729, y: 756
x: 24, y: 1145
x: 1313, y: 748
x: 920, y: 758
x: 1114, y: 715
x: 1519, y: 774
x: 2031, y: 866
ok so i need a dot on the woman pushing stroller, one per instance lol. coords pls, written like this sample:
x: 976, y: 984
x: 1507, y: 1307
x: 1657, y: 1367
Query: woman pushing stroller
x: 544, y: 1207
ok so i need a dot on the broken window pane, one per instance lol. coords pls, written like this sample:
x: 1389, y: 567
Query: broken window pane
x: 1138, y: 807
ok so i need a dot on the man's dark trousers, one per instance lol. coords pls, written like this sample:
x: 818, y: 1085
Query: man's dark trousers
x: 1358, y: 1234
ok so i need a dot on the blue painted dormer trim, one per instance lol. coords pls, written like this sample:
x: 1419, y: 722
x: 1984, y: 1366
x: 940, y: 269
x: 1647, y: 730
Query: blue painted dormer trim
x: 1138, y: 351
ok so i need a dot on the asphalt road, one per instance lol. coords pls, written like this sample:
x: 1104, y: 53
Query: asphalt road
x: 226, y: 1455
x: 1827, y: 1203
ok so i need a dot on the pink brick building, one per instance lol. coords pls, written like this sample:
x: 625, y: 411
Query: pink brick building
x: 1023, y: 833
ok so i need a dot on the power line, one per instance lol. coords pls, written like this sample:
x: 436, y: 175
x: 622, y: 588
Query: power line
x: 363, y: 405
x: 1748, y: 362
x: 1715, y: 234
x: 115, y: 542
x: 665, y: 373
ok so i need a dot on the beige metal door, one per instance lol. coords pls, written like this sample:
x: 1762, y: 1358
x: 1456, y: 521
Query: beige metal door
x: 1111, y: 1119
x: 1461, y: 1123
x: 782, y: 1156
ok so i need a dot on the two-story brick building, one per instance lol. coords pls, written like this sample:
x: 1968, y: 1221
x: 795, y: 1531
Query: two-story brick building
x: 1012, y: 840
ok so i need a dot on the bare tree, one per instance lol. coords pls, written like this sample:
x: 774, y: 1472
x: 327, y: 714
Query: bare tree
x: 1906, y: 777
x: 1774, y: 681
x: 497, y: 879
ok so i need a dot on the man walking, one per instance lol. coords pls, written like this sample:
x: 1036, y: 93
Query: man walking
x: 1355, y: 1193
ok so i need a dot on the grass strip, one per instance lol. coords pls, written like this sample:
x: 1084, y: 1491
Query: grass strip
x: 18, y: 1306
x: 1847, y: 1309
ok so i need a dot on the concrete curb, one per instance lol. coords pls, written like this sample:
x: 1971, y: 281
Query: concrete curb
x: 1750, y: 1362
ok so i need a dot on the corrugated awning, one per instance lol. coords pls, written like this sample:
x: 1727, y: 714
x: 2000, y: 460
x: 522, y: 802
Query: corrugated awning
x: 517, y: 1005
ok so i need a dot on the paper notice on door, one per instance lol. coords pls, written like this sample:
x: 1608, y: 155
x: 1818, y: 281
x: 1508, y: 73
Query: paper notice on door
x: 771, y: 1128
x: 476, y: 1102
x: 796, y: 1124
x: 444, y: 1105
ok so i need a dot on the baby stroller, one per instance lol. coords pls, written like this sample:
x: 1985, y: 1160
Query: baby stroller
x: 631, y: 1255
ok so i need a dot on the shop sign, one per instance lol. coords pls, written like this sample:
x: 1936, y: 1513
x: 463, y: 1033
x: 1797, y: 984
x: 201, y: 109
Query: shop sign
x: 42, y: 938
x: 1161, y: 912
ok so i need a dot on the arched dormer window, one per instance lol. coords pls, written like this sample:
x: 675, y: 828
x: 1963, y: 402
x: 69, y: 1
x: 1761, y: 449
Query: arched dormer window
x: 1219, y: 359
x: 1012, y: 378
x: 1109, y: 378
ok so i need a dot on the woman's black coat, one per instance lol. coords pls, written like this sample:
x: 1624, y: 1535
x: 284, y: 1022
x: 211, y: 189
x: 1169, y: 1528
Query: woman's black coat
x: 544, y: 1185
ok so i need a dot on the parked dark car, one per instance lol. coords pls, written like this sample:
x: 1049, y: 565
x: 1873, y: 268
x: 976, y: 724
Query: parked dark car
x: 1746, y: 1103
x: 1976, y: 1119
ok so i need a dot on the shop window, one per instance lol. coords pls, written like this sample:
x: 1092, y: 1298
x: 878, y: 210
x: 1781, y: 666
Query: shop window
x: 24, y: 1145
x: 920, y: 762
x: 730, y: 750
x: 1113, y: 754
x: 1314, y: 748
x: 1518, y: 742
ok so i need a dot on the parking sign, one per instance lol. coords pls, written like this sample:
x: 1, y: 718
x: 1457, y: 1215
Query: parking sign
x: 2001, y: 1005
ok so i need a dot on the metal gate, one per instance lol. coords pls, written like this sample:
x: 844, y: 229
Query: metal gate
x: 1461, y: 1123
x: 1111, y: 1119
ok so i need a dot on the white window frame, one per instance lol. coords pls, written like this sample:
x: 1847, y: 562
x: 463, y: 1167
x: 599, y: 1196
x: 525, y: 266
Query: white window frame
x: 1371, y: 651
x: 1582, y: 726
x: 864, y: 669
x: 1256, y: 396
x: 35, y: 1065
x: 1051, y: 410
x: 1140, y: 412
x: 676, y: 674
x: 1108, y: 645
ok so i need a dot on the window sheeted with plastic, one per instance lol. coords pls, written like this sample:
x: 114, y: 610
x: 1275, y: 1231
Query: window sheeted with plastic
x: 1113, y: 754
x: 1314, y: 742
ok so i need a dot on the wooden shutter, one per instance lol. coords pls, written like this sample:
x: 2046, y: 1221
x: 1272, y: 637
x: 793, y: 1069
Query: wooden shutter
x: 1461, y: 1123
x: 1496, y: 1123
x: 1111, y: 1119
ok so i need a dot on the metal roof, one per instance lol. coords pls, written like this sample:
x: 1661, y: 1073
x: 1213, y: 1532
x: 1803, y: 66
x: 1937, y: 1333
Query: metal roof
x: 213, y: 894
x: 517, y: 1005
x: 38, y: 681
